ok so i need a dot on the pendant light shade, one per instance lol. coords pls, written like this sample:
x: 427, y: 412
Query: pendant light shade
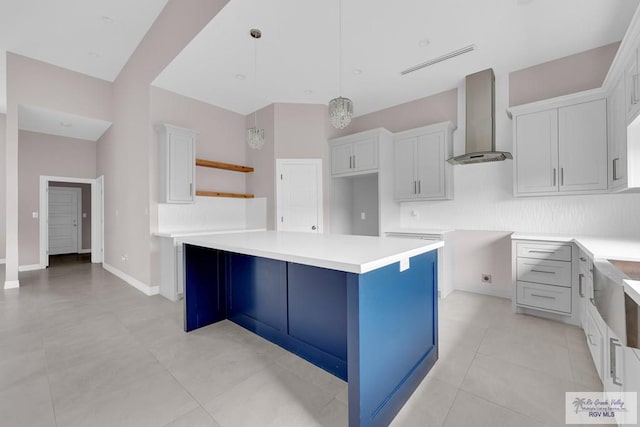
x: 255, y: 135
x: 340, y: 108
x: 340, y: 112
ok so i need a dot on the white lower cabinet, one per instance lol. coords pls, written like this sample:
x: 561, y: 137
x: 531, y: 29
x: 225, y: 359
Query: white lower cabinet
x: 595, y: 339
x: 543, y: 279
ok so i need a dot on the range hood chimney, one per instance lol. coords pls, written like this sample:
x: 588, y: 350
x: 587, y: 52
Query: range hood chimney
x: 480, y: 143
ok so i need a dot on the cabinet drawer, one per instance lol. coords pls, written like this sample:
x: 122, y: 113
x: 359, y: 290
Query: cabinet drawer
x: 544, y: 271
x: 557, y: 252
x: 546, y: 297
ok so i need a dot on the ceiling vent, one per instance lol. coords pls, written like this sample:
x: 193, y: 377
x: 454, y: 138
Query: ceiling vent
x: 439, y: 59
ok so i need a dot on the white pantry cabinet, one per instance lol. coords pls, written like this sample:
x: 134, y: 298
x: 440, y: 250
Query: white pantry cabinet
x: 562, y: 149
x: 421, y: 170
x: 355, y: 154
x: 176, y: 170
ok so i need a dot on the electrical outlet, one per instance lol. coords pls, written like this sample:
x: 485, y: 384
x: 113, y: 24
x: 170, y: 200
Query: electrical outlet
x: 363, y: 216
x: 124, y: 258
x: 485, y: 278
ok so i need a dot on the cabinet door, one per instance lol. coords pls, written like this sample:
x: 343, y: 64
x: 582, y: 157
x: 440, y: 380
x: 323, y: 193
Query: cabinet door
x: 617, y: 176
x: 181, y: 167
x: 632, y: 98
x: 595, y: 340
x: 341, y: 159
x: 365, y: 154
x: 582, y: 131
x: 537, y: 152
x: 430, y: 171
x: 404, y: 165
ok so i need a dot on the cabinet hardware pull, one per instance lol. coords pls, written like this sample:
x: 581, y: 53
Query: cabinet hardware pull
x: 415, y: 186
x: 589, y: 338
x: 634, y: 94
x: 191, y: 189
x: 554, y: 177
x: 542, y: 296
x: 613, y: 367
x: 419, y: 187
x: 543, y: 271
x: 583, y: 259
x: 561, y: 176
x: 541, y: 251
x: 581, y: 285
x: 615, y: 168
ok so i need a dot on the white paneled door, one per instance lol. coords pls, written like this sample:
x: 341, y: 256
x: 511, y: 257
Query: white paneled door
x: 299, y: 195
x: 63, y: 220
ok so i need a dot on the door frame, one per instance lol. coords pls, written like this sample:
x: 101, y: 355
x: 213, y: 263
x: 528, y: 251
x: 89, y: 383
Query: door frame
x: 97, y: 215
x: 78, y: 191
x: 279, y: 165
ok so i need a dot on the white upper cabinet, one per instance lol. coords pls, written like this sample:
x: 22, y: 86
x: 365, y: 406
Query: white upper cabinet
x: 582, y: 147
x: 561, y: 150
x: 617, y: 155
x: 354, y: 154
x: 421, y: 171
x: 537, y: 152
x: 632, y: 98
x: 177, y: 157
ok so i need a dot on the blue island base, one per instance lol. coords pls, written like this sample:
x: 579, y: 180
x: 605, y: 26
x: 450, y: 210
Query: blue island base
x: 376, y: 330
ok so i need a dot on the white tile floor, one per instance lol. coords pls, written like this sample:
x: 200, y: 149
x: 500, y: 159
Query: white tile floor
x: 78, y: 347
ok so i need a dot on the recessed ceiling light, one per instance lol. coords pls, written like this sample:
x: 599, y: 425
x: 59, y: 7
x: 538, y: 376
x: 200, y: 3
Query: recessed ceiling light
x: 424, y: 43
x: 357, y: 71
x: 240, y: 76
x: 107, y: 19
x: 66, y: 124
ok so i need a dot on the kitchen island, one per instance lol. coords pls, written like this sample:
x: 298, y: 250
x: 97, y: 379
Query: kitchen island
x: 362, y: 308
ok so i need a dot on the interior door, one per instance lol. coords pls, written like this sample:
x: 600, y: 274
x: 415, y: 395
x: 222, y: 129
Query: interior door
x: 63, y: 220
x: 299, y: 195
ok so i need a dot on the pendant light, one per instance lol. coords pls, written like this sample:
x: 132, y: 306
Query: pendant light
x: 340, y: 109
x: 255, y: 135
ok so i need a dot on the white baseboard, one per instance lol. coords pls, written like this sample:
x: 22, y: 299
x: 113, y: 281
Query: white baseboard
x: 3, y: 261
x: 485, y: 290
x: 11, y: 284
x: 84, y: 251
x: 145, y: 289
x: 30, y: 267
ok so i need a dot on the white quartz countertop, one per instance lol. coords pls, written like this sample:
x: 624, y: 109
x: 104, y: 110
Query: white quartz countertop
x: 353, y: 254
x: 192, y: 233
x: 418, y: 231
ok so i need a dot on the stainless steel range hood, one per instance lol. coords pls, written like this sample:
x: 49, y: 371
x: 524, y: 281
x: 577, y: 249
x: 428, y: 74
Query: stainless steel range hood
x: 480, y: 144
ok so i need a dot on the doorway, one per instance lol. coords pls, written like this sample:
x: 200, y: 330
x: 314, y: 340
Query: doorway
x: 299, y: 195
x: 59, y: 228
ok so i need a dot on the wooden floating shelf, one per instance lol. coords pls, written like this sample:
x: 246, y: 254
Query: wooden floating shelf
x: 218, y: 194
x: 220, y: 165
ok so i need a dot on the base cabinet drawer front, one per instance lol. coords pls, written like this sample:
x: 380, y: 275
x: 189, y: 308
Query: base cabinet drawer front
x: 542, y: 271
x: 557, y: 252
x: 545, y: 297
x: 595, y: 341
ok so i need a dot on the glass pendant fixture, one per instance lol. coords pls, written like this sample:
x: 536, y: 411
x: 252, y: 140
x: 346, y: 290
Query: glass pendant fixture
x: 340, y: 109
x: 255, y: 135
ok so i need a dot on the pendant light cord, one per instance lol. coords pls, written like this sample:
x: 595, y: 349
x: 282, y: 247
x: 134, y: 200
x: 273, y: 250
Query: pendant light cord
x: 255, y: 84
x: 340, y: 47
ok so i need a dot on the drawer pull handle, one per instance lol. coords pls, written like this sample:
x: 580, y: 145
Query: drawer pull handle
x: 590, y: 340
x: 543, y: 271
x: 583, y: 259
x: 540, y: 251
x: 542, y: 296
x: 581, y: 285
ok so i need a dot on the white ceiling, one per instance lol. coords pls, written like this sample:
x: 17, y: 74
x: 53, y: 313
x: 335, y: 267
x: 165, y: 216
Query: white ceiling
x: 36, y: 119
x: 94, y: 37
x: 298, y: 53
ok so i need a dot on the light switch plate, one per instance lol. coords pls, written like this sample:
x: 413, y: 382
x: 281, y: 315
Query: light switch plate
x: 34, y: 214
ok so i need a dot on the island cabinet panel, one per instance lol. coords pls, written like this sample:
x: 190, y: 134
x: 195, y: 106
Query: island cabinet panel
x: 317, y: 299
x: 257, y: 292
x: 206, y: 300
x: 393, y: 337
